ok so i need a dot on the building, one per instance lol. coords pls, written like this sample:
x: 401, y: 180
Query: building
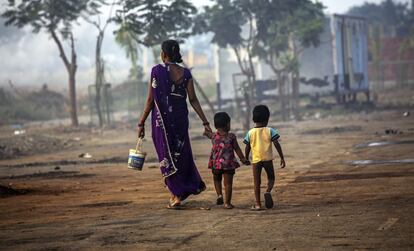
x: 338, y: 66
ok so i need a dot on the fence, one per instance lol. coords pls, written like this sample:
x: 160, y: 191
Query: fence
x: 106, y: 104
x: 389, y: 74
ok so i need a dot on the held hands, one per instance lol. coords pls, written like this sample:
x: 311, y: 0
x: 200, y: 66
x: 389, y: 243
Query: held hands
x: 282, y: 163
x: 245, y: 162
x: 207, y: 131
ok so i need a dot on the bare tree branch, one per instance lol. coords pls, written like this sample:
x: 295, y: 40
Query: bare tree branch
x: 61, y: 50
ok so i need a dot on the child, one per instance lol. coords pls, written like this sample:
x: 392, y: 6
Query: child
x: 259, y: 141
x: 222, y: 160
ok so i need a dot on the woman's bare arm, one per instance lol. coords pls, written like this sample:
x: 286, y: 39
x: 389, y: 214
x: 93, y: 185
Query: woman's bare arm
x: 147, y: 109
x: 192, y: 97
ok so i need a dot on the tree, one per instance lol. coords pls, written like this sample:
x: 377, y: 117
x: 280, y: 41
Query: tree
x: 150, y: 22
x: 285, y: 28
x: 56, y: 18
x: 99, y: 63
x: 125, y: 38
x: 226, y: 20
x: 153, y: 21
x: 391, y: 15
x: 9, y: 34
x: 388, y: 19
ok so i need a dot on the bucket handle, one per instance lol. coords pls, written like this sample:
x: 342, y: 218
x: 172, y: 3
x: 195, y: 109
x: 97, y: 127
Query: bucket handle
x: 138, y: 148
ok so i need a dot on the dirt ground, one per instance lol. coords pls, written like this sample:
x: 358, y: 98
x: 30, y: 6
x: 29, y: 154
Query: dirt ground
x: 55, y: 200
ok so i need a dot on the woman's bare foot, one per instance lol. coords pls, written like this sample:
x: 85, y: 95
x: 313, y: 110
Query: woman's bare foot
x: 177, y: 201
x: 172, y: 199
x: 174, y: 203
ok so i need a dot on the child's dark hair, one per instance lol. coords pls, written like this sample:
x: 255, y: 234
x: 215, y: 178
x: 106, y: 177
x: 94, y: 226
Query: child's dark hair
x: 261, y: 114
x: 221, y: 120
x: 172, y: 49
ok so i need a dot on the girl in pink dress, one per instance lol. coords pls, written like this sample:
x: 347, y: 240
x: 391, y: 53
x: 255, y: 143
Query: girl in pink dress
x: 222, y: 161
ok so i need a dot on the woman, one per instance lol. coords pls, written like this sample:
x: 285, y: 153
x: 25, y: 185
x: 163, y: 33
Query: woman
x: 167, y: 93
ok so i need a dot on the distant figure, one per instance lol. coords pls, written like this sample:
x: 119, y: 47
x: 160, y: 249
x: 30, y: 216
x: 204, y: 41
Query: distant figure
x: 222, y: 161
x: 259, y: 141
x: 316, y: 81
x: 167, y: 93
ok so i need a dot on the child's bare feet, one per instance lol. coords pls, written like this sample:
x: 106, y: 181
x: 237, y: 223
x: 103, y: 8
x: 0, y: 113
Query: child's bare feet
x: 257, y: 207
x: 268, y: 200
x: 220, y: 200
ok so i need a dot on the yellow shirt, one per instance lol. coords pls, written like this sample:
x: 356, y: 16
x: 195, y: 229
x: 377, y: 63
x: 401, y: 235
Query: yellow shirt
x: 261, y: 141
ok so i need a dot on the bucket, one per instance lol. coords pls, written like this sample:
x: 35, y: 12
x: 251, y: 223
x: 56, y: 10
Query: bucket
x: 136, y: 157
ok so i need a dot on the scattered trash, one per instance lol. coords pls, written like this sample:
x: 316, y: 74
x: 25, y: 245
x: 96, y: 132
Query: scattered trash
x: 335, y: 129
x: 318, y: 215
x: 16, y: 126
x: 384, y: 143
x: 406, y: 114
x: 378, y: 162
x: 317, y: 115
x: 76, y: 138
x: 19, y: 132
x: 85, y: 155
x: 388, y: 224
x: 392, y: 131
x: 23, y: 145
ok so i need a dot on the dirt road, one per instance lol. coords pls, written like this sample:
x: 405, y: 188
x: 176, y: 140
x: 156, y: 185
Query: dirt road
x: 64, y: 202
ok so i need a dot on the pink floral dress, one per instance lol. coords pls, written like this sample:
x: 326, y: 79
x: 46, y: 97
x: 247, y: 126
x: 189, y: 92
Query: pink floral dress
x: 222, y: 154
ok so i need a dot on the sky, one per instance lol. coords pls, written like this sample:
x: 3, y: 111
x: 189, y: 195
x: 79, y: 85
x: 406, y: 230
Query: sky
x: 332, y: 6
x: 341, y: 6
x: 33, y: 59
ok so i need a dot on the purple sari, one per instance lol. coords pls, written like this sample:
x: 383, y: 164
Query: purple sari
x: 170, y: 133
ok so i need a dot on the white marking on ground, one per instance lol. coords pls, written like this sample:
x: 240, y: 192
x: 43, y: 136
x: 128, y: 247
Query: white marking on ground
x: 388, y: 224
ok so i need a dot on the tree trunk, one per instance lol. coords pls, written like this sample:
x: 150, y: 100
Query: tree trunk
x: 248, y: 115
x: 247, y: 71
x: 72, y: 97
x: 295, y: 95
x: 282, y: 98
x: 71, y: 69
x: 98, y: 77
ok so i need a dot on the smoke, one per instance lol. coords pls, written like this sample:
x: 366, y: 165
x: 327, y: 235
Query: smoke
x: 33, y: 59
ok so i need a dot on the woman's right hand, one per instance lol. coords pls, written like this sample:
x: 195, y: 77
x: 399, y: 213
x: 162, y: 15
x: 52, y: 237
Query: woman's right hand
x: 141, y: 132
x: 207, y: 131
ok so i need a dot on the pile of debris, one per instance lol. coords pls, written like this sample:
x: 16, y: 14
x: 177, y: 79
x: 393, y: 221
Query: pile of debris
x: 14, y: 147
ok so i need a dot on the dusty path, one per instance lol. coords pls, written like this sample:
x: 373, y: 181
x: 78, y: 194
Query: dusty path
x: 322, y: 203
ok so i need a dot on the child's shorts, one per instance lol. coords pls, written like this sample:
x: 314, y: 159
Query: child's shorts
x: 221, y: 171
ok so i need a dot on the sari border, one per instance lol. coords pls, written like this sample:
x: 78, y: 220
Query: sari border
x: 166, y: 139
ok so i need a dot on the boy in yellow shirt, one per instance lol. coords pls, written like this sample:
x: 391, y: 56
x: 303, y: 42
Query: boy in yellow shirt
x: 259, y: 141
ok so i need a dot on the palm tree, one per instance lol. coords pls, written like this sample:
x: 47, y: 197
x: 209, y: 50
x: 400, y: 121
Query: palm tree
x: 126, y: 40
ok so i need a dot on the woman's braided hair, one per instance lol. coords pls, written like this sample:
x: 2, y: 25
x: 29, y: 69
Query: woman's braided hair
x: 172, y: 49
